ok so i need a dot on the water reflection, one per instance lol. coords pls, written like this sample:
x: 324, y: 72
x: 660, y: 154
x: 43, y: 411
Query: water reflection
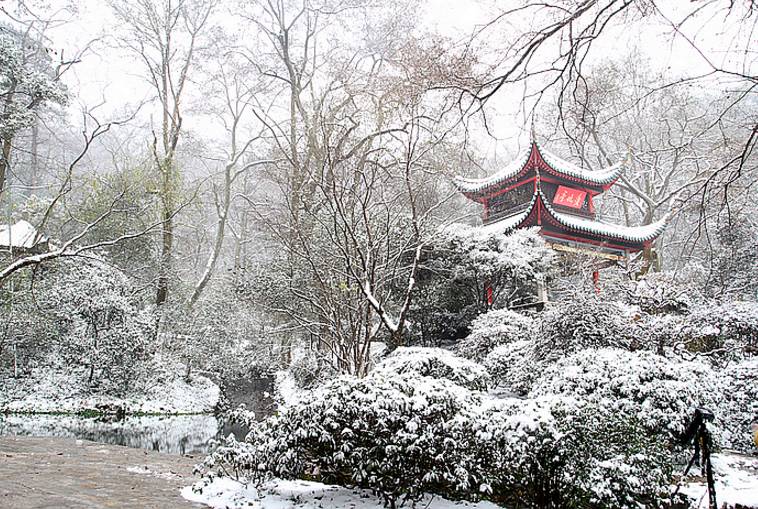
x: 180, y: 434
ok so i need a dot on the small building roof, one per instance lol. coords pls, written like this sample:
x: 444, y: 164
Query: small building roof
x: 20, y: 235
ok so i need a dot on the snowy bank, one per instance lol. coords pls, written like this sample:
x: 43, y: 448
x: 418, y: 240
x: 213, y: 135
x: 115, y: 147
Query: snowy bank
x: 736, y: 477
x: 226, y: 493
x: 56, y: 392
x: 176, y: 434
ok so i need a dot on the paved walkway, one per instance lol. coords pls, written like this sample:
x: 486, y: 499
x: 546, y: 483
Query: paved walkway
x: 67, y: 473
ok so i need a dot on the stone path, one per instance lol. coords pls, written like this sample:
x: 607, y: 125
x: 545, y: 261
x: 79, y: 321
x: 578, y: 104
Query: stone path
x: 58, y: 473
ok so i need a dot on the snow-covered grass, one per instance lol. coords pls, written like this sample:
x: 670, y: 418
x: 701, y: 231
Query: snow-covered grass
x: 63, y: 392
x: 226, y: 493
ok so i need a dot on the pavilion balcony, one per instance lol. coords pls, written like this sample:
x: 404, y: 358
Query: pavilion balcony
x: 496, y: 215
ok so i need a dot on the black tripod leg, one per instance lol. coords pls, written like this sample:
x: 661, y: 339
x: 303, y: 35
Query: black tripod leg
x: 709, y: 471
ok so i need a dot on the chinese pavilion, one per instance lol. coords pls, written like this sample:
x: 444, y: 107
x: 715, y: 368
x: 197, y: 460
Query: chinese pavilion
x: 540, y: 189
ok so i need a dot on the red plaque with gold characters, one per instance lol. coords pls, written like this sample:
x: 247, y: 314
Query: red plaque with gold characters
x: 569, y: 197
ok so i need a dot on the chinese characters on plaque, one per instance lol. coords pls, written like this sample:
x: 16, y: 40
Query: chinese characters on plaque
x: 569, y: 197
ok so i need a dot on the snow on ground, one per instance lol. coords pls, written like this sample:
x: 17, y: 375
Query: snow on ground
x: 736, y: 482
x: 144, y: 470
x: 63, y: 392
x: 227, y: 493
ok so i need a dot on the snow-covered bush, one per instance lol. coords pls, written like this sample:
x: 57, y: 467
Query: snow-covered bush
x: 402, y: 435
x: 28, y: 334
x: 662, y: 292
x: 309, y: 368
x: 512, y: 367
x: 392, y: 434
x: 103, y: 331
x: 729, y: 329
x: 435, y: 363
x: 659, y: 393
x: 562, y: 329
x: 493, y: 329
x: 556, y: 452
x: 222, y: 334
x: 740, y: 407
x: 660, y: 333
x: 571, y: 326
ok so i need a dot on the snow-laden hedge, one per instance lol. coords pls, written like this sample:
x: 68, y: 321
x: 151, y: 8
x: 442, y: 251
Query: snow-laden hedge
x: 512, y: 366
x: 389, y: 433
x: 435, y: 363
x: 567, y: 327
x: 557, y: 452
x: 563, y: 329
x: 723, y: 332
x: 401, y: 435
x: 660, y: 393
x: 664, y: 292
x: 740, y: 405
x: 728, y: 329
x: 493, y: 329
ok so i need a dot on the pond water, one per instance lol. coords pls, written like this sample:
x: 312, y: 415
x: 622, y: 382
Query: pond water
x: 176, y: 434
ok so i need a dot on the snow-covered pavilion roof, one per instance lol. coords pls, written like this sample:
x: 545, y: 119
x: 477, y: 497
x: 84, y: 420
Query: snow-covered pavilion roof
x: 511, y: 222
x: 468, y: 185
x: 601, y: 177
x: 539, y: 211
x: 644, y: 233
x: 539, y: 160
x: 19, y: 235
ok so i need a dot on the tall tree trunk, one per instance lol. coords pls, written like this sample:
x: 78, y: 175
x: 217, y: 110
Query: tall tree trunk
x: 167, y: 230
x: 5, y: 160
x: 223, y: 213
x: 35, y: 157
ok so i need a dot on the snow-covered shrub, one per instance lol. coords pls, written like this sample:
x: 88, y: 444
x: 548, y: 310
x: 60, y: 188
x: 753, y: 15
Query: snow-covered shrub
x: 556, y: 452
x: 395, y: 435
x: 103, y: 331
x: 435, y: 363
x: 512, y: 367
x: 223, y: 334
x: 659, y: 393
x: 402, y: 435
x: 730, y: 328
x: 662, y: 292
x: 563, y: 328
x: 28, y: 334
x: 493, y: 329
x: 571, y: 326
x: 309, y: 368
x: 740, y: 407
x: 660, y: 333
